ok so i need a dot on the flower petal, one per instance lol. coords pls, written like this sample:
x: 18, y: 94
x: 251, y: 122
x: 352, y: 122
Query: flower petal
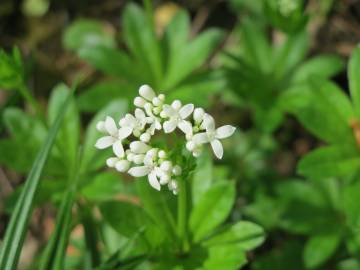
x: 110, y: 126
x: 124, y: 132
x: 208, y: 122
x: 224, y: 131
x: 104, y: 142
x: 139, y: 114
x: 200, y: 138
x: 217, y: 148
x: 169, y: 111
x: 138, y: 147
x: 169, y: 126
x: 118, y: 149
x: 186, y: 110
x: 185, y: 126
x: 139, y: 171
x: 147, y: 92
x: 153, y: 181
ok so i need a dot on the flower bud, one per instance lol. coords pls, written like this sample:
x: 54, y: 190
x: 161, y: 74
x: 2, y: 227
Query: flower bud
x: 164, y: 179
x: 190, y: 145
x: 166, y: 166
x: 156, y: 101
x: 139, y: 147
x: 130, y: 156
x: 145, y: 137
x: 157, y: 110
x: 162, y: 154
x: 161, y: 97
x: 122, y: 165
x: 163, y: 114
x: 100, y: 126
x: 139, y: 102
x: 111, y: 162
x: 146, y: 92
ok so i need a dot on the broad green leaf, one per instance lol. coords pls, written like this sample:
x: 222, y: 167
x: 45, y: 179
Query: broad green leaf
x: 16, y: 230
x: 322, y: 105
x: 202, y: 178
x: 329, y: 161
x: 93, y: 158
x: 212, y: 209
x: 69, y: 133
x: 141, y: 40
x: 191, y: 57
x: 320, y: 248
x: 115, y: 62
x: 348, y: 264
x: 229, y: 257
x: 126, y: 218
x: 256, y: 46
x: 104, y: 186
x: 324, y: 66
x: 354, y: 79
x: 351, y: 206
x: 243, y: 233
x: 97, y: 96
x: 87, y: 33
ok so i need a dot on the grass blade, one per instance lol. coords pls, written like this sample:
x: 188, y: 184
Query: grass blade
x: 15, y: 233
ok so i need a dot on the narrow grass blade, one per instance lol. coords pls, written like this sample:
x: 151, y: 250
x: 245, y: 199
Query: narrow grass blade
x: 16, y: 230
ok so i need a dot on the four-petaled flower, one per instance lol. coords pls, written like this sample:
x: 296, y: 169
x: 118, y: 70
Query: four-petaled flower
x: 212, y: 135
x: 177, y: 115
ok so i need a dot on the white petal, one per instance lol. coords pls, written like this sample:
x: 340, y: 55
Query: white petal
x: 124, y: 132
x: 118, y: 149
x: 139, y: 147
x: 139, y: 114
x: 169, y: 111
x: 169, y: 126
x: 153, y: 181
x: 217, y: 148
x: 186, y: 110
x: 139, y: 171
x: 146, y: 92
x: 111, y: 161
x: 139, y: 102
x: 100, y: 126
x: 176, y: 104
x: 208, y: 122
x: 104, y: 142
x: 122, y: 165
x: 199, y: 114
x: 185, y: 126
x: 200, y: 138
x: 224, y: 131
x: 111, y: 126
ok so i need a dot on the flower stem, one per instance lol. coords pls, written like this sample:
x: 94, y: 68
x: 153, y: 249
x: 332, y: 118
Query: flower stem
x: 183, y: 215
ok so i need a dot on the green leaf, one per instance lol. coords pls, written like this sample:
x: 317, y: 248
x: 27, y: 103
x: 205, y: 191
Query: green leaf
x: 229, y: 257
x: 329, y: 161
x: 322, y: 105
x: 351, y: 205
x: 114, y: 62
x: 16, y: 230
x: 94, y: 159
x: 69, y: 133
x: 243, y: 233
x: 100, y: 94
x: 104, y: 186
x: 11, y: 70
x: 320, y: 248
x: 354, y: 79
x: 190, y: 57
x: 324, y: 66
x: 126, y: 218
x: 212, y: 209
x: 141, y: 40
x: 87, y: 33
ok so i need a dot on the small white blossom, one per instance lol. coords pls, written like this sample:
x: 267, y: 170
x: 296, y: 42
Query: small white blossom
x: 213, y: 135
x: 177, y: 115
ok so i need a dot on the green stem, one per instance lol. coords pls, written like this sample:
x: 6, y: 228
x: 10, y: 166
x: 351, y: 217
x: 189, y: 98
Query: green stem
x: 149, y: 12
x: 25, y: 92
x: 183, y: 215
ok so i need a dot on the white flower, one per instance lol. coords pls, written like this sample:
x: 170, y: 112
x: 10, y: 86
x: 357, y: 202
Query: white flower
x: 213, y: 135
x: 177, y: 115
x: 114, y: 137
x: 137, y: 123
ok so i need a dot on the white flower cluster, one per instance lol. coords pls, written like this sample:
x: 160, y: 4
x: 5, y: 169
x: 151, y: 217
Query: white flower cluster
x: 151, y: 114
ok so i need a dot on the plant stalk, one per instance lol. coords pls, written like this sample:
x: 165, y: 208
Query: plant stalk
x: 25, y: 92
x: 183, y: 215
